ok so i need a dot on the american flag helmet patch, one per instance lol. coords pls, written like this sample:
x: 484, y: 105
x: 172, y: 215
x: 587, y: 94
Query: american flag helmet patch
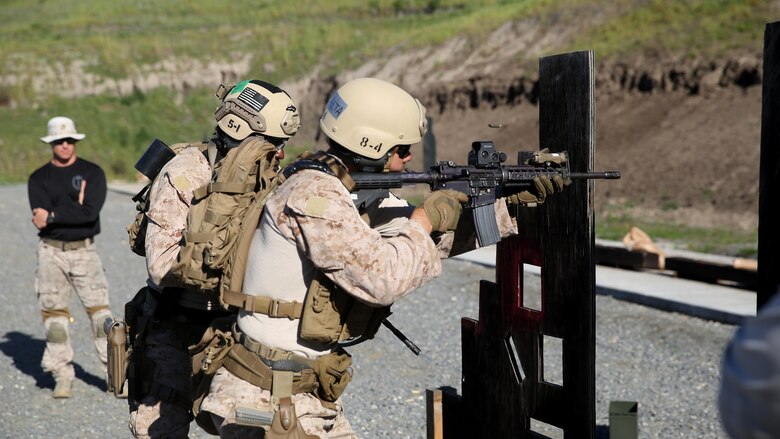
x: 252, y: 98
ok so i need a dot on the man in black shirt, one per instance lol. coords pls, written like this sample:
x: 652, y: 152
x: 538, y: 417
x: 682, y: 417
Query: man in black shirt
x: 66, y: 196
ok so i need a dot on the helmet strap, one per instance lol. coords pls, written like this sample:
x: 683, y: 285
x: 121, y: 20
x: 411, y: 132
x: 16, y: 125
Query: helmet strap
x: 360, y: 163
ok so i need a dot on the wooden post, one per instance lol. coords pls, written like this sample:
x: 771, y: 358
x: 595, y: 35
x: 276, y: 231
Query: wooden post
x: 505, y: 382
x: 769, y: 181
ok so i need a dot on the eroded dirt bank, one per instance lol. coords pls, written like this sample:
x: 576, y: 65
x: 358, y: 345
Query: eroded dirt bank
x: 685, y: 136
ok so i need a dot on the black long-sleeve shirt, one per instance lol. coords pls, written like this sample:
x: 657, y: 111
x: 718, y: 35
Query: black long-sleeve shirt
x: 56, y: 189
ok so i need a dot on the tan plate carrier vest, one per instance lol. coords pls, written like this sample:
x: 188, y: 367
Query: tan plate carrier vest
x: 328, y: 315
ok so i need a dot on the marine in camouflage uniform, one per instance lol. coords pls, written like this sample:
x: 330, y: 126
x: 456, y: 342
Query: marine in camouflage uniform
x: 159, y: 404
x: 312, y: 214
x: 160, y: 392
x: 66, y: 196
x: 311, y: 225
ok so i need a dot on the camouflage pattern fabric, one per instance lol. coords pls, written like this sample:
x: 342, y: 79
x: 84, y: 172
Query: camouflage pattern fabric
x: 229, y: 392
x: 310, y: 222
x: 170, y: 198
x: 57, y: 272
x: 152, y: 418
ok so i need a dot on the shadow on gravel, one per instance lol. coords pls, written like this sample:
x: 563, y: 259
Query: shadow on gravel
x: 25, y: 351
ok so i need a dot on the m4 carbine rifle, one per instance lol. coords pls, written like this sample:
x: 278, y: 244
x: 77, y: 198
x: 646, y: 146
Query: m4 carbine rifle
x: 484, y: 180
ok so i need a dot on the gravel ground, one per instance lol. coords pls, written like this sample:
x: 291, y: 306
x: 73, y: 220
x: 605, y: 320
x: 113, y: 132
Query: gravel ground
x: 668, y: 362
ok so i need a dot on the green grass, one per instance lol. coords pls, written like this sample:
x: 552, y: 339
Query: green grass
x: 615, y: 225
x: 692, y: 27
x: 118, y: 129
x: 287, y: 39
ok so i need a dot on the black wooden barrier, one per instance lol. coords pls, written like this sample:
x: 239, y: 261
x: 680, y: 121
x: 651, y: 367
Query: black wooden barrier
x: 505, y: 384
x: 769, y: 182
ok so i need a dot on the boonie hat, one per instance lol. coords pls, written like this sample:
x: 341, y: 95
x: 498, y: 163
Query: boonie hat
x: 61, y: 127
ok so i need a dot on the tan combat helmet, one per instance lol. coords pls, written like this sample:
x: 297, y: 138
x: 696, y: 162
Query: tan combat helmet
x: 369, y: 117
x: 255, y: 106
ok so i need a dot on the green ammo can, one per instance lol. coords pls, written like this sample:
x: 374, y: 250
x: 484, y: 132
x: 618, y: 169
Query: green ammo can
x: 623, y: 420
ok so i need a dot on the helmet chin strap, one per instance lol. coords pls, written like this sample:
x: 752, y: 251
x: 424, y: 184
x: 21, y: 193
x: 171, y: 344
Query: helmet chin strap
x: 225, y: 142
x: 361, y: 163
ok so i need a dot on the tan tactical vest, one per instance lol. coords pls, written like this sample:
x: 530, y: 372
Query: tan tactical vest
x: 221, y: 220
x: 329, y: 314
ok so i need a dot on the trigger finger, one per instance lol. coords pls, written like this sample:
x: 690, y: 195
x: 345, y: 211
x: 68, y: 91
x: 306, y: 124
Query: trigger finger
x: 460, y: 196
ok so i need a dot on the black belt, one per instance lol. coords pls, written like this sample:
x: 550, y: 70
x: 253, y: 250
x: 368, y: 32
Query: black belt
x: 67, y: 245
x: 184, y: 298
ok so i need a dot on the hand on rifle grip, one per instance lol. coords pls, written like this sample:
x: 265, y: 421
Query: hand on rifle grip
x: 443, y: 209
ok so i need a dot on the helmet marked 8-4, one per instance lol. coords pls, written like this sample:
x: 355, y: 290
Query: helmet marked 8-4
x: 369, y: 117
x: 256, y: 107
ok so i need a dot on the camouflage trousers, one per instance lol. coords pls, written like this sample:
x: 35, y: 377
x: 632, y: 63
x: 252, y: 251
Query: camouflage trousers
x: 227, y: 392
x: 164, y: 368
x: 152, y: 416
x: 58, y: 272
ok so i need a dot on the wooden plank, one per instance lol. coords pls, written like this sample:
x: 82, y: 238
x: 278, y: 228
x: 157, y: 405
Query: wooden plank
x: 769, y: 180
x: 434, y: 417
x: 625, y: 258
x: 743, y: 275
x: 712, y: 272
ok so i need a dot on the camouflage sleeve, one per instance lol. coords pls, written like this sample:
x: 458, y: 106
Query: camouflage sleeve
x: 465, y: 237
x: 330, y: 232
x: 170, y: 198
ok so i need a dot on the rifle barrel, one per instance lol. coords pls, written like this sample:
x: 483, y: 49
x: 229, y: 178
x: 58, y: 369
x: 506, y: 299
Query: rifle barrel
x: 396, y: 180
x: 603, y: 175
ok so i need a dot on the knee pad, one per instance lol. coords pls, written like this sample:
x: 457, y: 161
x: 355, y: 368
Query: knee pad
x: 98, y: 319
x: 57, y: 333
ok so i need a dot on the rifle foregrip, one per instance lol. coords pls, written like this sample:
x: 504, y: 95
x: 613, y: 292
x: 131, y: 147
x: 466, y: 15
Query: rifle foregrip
x: 389, y: 180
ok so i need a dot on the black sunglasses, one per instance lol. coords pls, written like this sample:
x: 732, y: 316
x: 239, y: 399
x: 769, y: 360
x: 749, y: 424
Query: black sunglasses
x: 403, y: 150
x: 70, y: 140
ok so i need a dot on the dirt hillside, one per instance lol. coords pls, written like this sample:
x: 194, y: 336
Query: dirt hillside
x: 685, y: 133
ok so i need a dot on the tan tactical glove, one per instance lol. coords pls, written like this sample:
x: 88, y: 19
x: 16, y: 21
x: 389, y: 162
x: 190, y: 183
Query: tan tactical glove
x: 443, y: 209
x: 544, y: 186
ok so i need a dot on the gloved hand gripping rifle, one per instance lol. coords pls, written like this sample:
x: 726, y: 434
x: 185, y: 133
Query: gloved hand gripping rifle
x: 484, y: 180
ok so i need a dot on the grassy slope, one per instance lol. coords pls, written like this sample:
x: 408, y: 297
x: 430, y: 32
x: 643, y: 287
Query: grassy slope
x: 115, y: 37
x: 287, y: 39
